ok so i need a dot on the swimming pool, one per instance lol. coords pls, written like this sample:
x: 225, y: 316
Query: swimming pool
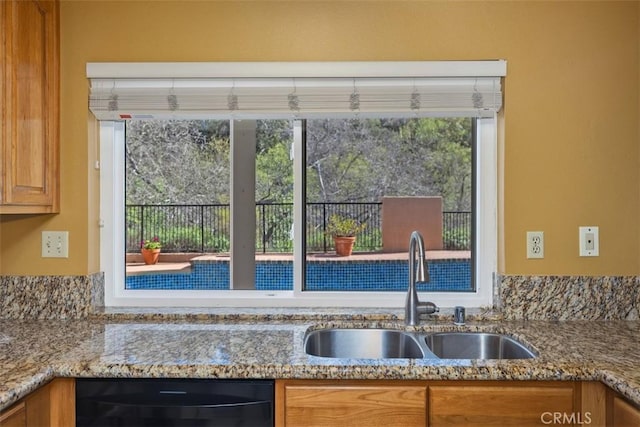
x: 340, y: 275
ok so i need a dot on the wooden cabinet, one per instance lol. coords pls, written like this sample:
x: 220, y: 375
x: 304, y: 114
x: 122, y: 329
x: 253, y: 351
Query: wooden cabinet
x: 29, y: 106
x: 593, y: 403
x: 517, y: 404
x: 52, y: 405
x: 621, y: 413
x: 350, y: 403
x: 424, y: 403
x: 372, y: 403
x: 16, y: 416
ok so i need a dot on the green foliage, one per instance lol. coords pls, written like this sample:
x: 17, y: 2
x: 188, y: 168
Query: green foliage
x: 186, y: 238
x: 458, y: 239
x: 189, y: 239
x: 274, y: 174
x: 151, y: 244
x: 369, y: 241
x: 365, y: 160
x: 270, y: 133
x: 275, y: 244
x: 187, y: 162
x: 216, y: 243
x: 316, y: 238
x: 341, y: 226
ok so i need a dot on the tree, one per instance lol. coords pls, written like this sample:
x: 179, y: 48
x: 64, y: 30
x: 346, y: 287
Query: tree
x: 274, y: 174
x: 176, y: 162
x: 364, y: 160
x: 348, y: 160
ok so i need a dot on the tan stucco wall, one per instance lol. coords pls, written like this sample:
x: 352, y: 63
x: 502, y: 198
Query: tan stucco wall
x: 402, y: 215
x: 570, y: 142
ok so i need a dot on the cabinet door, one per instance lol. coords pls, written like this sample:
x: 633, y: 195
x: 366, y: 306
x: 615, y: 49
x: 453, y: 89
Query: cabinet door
x: 506, y: 404
x: 343, y: 403
x: 14, y: 416
x: 594, y: 403
x: 624, y: 415
x: 52, y: 405
x: 30, y: 114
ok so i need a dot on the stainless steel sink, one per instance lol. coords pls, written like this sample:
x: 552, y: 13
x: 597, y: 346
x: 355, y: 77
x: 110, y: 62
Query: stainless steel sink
x: 476, y: 345
x: 362, y: 344
x: 366, y: 343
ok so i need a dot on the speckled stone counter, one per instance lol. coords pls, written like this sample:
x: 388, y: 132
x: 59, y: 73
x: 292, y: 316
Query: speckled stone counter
x: 263, y: 346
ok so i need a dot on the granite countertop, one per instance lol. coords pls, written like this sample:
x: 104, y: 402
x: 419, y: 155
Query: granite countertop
x: 264, y: 346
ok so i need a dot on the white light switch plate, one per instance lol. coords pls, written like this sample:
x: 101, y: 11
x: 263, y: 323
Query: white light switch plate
x: 55, y: 244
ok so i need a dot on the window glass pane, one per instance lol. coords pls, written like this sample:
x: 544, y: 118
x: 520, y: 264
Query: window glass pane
x: 375, y: 181
x: 274, y: 205
x: 177, y: 192
x: 381, y: 177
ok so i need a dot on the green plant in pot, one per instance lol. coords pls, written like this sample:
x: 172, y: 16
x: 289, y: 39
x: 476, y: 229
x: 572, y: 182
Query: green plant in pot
x: 344, y: 231
x: 150, y: 250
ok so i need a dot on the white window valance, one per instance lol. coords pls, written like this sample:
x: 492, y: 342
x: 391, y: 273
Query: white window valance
x: 295, y: 89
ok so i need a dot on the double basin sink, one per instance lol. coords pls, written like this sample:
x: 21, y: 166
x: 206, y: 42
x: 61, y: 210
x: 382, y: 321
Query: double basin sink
x: 390, y: 343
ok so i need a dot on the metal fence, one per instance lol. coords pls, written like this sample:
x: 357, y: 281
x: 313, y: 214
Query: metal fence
x: 370, y: 214
x: 181, y: 228
x: 206, y: 228
x: 456, y: 230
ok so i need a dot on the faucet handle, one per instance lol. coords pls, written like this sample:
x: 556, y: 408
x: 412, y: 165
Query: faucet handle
x: 427, y: 308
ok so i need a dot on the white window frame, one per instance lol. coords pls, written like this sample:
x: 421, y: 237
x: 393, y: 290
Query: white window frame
x: 112, y: 248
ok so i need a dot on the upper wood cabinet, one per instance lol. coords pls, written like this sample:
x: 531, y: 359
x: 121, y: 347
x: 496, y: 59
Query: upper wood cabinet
x: 29, y: 107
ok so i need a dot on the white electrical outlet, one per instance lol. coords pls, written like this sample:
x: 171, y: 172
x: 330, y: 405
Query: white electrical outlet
x: 589, y: 241
x: 55, y: 244
x: 535, y: 244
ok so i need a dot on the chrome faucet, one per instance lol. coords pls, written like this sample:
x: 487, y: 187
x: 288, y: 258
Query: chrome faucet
x: 417, y: 273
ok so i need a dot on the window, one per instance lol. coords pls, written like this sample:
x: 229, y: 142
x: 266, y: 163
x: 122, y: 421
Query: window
x: 260, y: 205
x: 384, y: 178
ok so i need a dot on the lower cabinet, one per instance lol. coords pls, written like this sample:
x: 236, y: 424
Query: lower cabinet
x: 16, y: 416
x: 621, y: 413
x: 425, y: 403
x: 350, y: 403
x: 388, y: 403
x: 502, y: 404
x: 52, y: 405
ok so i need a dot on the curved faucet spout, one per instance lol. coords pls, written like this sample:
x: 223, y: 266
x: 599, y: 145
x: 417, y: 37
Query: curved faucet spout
x: 417, y: 273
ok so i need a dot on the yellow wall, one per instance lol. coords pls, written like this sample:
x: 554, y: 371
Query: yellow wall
x: 571, y: 133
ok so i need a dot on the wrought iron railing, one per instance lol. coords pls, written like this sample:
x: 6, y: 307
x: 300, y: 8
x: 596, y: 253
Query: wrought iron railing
x: 456, y: 230
x: 206, y: 228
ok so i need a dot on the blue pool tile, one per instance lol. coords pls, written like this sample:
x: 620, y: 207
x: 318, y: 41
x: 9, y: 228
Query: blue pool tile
x: 372, y: 275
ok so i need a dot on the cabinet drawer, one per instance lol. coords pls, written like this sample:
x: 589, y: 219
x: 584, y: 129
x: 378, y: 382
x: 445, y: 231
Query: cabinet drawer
x: 353, y: 405
x: 500, y: 405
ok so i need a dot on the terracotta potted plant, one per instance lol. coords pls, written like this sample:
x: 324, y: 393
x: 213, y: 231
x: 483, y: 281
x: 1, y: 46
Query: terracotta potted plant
x: 150, y: 250
x: 344, y: 231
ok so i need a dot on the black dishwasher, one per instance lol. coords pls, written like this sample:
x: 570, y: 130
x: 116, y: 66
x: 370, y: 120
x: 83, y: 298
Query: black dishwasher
x: 174, y: 402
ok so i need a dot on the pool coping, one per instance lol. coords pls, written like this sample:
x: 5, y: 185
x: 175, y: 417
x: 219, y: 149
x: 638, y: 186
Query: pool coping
x: 136, y: 268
